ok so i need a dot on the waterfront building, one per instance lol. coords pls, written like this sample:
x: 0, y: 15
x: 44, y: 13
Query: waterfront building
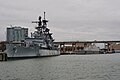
x: 16, y: 33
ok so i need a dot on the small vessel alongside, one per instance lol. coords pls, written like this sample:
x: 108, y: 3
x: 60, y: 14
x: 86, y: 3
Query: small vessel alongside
x: 91, y: 49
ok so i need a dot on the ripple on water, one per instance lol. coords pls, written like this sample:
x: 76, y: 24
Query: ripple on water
x: 65, y: 67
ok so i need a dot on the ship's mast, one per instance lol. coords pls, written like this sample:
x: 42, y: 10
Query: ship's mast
x: 42, y: 26
x: 44, y: 22
x: 43, y: 32
x: 39, y: 22
x: 44, y: 15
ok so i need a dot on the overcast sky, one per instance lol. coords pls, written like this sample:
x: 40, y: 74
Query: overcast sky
x: 69, y: 20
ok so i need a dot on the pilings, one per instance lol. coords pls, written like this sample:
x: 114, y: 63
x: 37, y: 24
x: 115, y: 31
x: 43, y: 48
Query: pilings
x: 3, y: 56
x: 81, y: 52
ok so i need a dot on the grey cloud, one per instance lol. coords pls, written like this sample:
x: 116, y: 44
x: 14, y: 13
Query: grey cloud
x: 69, y: 19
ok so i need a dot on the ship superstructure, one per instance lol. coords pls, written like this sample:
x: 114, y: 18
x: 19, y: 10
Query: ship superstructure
x: 39, y: 44
x: 43, y: 33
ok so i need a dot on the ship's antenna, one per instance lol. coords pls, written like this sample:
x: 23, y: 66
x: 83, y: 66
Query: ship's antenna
x: 44, y: 21
x: 44, y: 15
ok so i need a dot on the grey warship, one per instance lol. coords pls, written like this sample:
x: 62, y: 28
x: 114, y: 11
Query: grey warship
x: 41, y: 42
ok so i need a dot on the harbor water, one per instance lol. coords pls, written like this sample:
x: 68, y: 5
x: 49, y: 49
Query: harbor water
x: 64, y: 67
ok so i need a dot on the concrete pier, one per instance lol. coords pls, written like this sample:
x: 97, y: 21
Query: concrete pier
x: 81, y: 52
x: 70, y: 47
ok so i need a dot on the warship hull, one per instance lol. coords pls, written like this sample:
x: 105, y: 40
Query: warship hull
x: 20, y: 51
x: 40, y: 43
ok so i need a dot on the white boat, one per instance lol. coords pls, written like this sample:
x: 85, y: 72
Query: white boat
x: 92, y: 47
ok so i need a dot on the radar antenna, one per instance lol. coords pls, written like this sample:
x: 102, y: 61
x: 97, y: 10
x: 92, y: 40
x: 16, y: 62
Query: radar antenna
x: 39, y: 21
